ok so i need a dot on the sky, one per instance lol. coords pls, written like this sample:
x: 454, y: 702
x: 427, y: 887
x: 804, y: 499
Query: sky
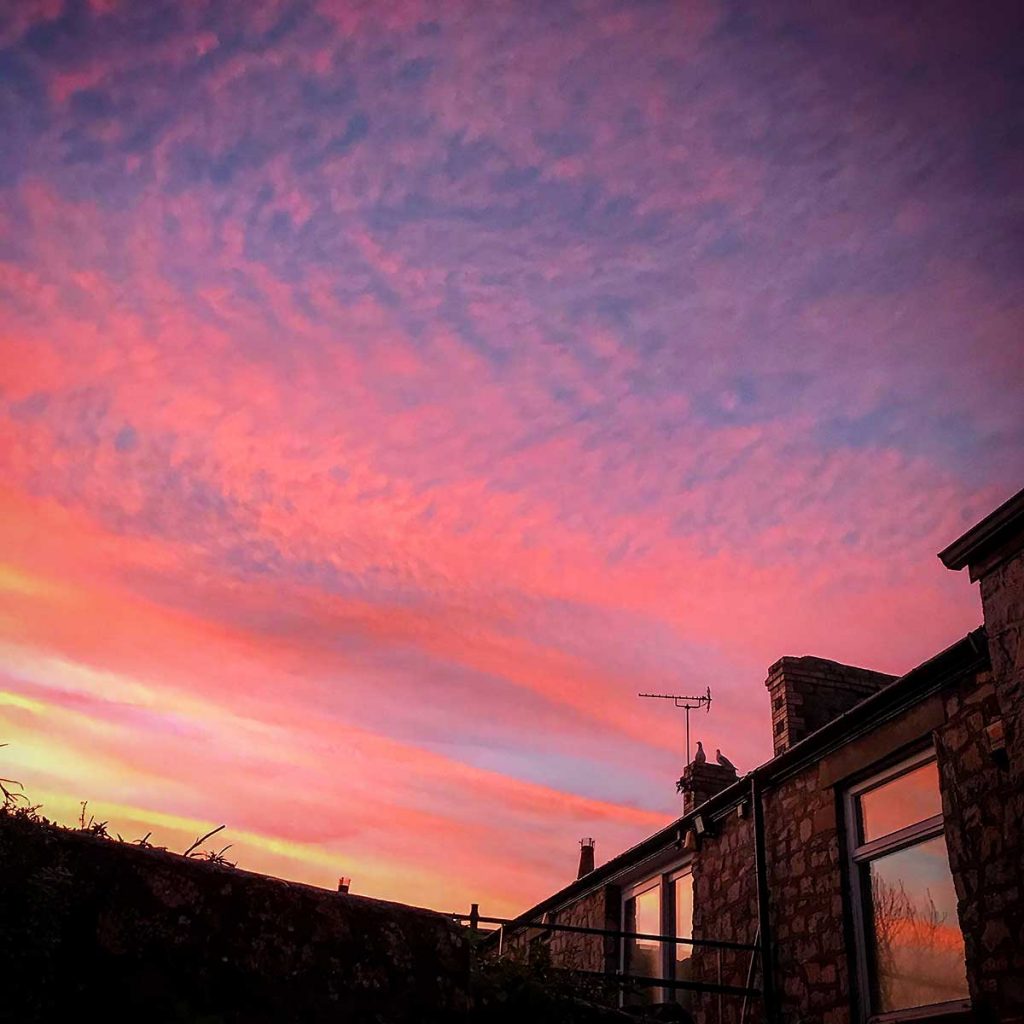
x: 390, y: 391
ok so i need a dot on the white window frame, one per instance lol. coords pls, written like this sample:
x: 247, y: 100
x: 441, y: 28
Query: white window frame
x: 860, y: 854
x: 663, y: 881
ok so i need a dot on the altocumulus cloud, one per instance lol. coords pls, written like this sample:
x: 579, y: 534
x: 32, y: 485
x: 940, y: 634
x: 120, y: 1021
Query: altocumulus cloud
x: 389, y: 392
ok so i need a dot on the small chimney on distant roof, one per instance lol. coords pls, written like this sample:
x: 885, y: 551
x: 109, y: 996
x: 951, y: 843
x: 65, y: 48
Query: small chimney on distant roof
x: 586, y: 857
x: 344, y: 883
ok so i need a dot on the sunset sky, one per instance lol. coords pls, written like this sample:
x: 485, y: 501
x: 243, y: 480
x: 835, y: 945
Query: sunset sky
x: 391, y: 390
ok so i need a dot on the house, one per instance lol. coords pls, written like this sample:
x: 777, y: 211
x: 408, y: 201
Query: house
x: 875, y: 864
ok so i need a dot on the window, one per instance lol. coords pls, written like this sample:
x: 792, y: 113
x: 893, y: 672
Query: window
x: 681, y: 954
x: 662, y: 905
x: 642, y: 957
x: 910, y: 950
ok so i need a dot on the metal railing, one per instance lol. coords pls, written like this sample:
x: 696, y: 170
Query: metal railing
x: 474, y: 919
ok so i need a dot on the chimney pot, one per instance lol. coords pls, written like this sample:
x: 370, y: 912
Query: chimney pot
x: 586, y: 857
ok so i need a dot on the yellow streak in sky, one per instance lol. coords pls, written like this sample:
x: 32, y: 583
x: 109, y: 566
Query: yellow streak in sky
x: 15, y: 581
x: 16, y: 700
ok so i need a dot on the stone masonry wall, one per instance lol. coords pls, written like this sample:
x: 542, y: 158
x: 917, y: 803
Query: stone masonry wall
x: 725, y: 907
x: 1002, y: 970
x: 974, y: 803
x: 806, y: 906
x: 984, y: 802
x: 587, y: 952
x: 805, y: 885
x: 597, y: 909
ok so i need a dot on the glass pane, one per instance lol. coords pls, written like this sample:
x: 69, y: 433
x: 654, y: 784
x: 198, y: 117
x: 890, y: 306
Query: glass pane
x: 643, y: 956
x: 904, y: 801
x: 682, y: 965
x: 919, y: 951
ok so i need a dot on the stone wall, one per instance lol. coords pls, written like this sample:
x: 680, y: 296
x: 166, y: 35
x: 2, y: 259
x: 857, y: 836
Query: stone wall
x: 724, y: 907
x: 982, y: 763
x: 596, y: 909
x: 974, y: 802
x: 600, y: 909
x: 1001, y: 966
x: 805, y: 855
x: 806, y: 898
x: 90, y: 925
x: 1002, y: 597
x: 805, y: 892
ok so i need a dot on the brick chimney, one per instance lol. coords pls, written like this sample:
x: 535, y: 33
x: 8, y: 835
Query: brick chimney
x: 700, y: 782
x: 809, y: 692
x: 586, y: 857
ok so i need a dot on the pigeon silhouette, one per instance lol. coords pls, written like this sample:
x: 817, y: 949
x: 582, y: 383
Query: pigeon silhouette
x: 700, y: 757
x: 723, y: 760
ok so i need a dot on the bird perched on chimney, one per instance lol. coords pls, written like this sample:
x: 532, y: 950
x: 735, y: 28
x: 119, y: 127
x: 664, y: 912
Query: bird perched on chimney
x: 723, y: 760
x: 700, y: 757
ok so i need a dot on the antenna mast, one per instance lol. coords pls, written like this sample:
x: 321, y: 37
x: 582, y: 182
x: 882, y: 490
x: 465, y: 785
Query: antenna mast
x: 688, y: 704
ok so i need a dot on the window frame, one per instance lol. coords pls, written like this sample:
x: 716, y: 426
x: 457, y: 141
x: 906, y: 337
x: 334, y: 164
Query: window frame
x: 669, y: 912
x: 663, y: 881
x: 859, y: 854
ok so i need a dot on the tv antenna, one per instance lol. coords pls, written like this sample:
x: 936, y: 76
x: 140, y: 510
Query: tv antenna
x: 688, y: 704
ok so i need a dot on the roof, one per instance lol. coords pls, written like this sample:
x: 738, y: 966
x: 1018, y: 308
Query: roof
x: 980, y: 540
x: 970, y: 653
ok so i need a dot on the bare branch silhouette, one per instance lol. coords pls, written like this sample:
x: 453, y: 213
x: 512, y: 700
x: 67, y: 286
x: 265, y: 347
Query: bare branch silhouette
x: 919, y: 958
x: 199, y: 842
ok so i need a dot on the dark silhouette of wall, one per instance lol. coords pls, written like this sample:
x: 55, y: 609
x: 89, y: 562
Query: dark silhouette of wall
x: 90, y: 924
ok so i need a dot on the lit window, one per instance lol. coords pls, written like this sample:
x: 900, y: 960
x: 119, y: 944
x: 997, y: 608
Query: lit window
x: 682, y: 953
x: 659, y: 906
x: 642, y: 957
x: 900, y: 802
x: 911, y: 951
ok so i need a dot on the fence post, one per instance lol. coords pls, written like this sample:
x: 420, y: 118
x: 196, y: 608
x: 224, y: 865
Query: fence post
x: 474, y: 916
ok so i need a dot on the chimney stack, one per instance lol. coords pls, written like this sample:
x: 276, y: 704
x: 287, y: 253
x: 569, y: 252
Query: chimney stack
x: 810, y: 692
x: 701, y: 781
x: 344, y: 884
x: 586, y: 857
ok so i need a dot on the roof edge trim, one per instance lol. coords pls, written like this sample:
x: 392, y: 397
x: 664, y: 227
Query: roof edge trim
x: 984, y: 535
